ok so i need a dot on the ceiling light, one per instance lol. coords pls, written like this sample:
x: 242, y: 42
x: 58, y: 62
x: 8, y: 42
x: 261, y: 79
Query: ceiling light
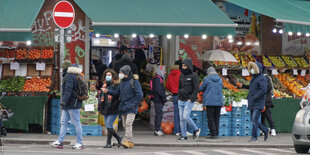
x: 248, y: 43
x: 204, y: 36
x: 186, y: 36
x: 281, y: 31
x: 97, y: 35
x: 290, y: 33
x: 151, y: 35
x: 239, y: 43
x: 134, y: 35
x: 298, y: 34
x: 230, y: 40
x: 229, y: 37
x: 256, y: 43
x: 307, y: 34
x: 116, y: 35
x: 28, y: 42
x: 274, y: 30
x: 169, y: 36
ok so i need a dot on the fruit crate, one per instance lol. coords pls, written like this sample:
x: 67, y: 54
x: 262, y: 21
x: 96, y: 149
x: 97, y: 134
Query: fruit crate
x: 224, y: 132
x: 237, y: 131
x: 225, y: 122
x: 289, y: 61
x: 236, y: 122
x: 301, y: 61
x: 276, y: 61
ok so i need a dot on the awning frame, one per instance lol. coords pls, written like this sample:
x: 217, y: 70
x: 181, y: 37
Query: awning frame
x: 163, y: 24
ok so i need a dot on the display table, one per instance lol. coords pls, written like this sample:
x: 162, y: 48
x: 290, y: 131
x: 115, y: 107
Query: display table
x: 283, y: 113
x: 27, y: 110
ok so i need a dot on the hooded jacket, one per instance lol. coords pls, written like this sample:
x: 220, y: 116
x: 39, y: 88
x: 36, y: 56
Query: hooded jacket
x: 173, y: 80
x: 188, y: 83
x: 258, y: 88
x: 158, y: 87
x: 70, y: 87
x: 268, y: 102
x: 212, y: 88
x: 129, y: 97
x: 107, y: 108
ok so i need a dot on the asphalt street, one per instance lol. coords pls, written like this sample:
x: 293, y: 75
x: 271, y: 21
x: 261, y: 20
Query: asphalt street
x: 47, y: 150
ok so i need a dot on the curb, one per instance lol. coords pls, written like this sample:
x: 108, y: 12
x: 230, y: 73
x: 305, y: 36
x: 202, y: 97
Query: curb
x: 253, y: 145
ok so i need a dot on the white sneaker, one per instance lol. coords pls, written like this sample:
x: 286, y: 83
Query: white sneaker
x: 273, y: 132
x: 78, y: 146
x: 57, y: 144
x: 159, y: 133
x: 178, y: 134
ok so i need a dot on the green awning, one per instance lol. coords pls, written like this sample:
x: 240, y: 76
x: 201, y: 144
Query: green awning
x: 17, y: 17
x: 293, y: 13
x: 160, y: 17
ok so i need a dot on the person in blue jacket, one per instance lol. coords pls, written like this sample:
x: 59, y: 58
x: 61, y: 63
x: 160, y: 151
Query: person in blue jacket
x: 159, y: 98
x: 212, y: 88
x: 130, y: 92
x: 70, y: 108
x: 256, y: 98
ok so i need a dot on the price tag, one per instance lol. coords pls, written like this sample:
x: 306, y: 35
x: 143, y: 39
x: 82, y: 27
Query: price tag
x: 245, y: 72
x: 295, y: 72
x: 275, y: 72
x: 14, y: 66
x: 224, y: 71
x: 89, y: 107
x: 40, y: 66
x: 303, y: 73
x: 22, y: 70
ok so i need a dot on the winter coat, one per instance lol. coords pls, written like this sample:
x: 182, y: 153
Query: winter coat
x: 70, y: 88
x: 158, y: 90
x: 129, y: 97
x: 212, y: 88
x: 173, y: 80
x: 269, y: 92
x: 188, y: 86
x: 258, y: 88
x: 122, y: 63
x: 107, y: 108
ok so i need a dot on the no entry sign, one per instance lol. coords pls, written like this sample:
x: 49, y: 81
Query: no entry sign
x: 63, y: 14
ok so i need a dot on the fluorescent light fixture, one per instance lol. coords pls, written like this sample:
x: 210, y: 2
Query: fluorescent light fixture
x: 256, y: 43
x: 169, y: 36
x: 151, y: 35
x: 28, y: 42
x: 97, y: 35
x: 307, y: 34
x: 248, y: 43
x: 230, y: 40
x: 186, y: 36
x: 204, y: 36
x: 290, y: 33
x: 134, y: 35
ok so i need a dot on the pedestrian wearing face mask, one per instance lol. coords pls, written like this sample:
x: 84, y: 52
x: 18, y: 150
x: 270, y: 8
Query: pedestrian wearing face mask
x: 256, y: 99
x: 109, y: 105
x: 130, y: 93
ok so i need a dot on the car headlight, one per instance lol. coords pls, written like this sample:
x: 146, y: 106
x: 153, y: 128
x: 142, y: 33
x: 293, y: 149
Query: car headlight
x: 300, y: 116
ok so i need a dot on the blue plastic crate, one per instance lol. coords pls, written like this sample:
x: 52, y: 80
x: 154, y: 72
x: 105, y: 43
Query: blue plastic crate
x: 227, y: 114
x: 224, y: 132
x: 225, y: 121
x: 248, y: 132
x: 236, y: 131
x: 247, y: 126
x: 247, y: 113
x: 236, y: 121
x: 246, y: 119
x: 198, y: 123
x: 205, y: 132
x: 196, y: 115
x: 92, y: 130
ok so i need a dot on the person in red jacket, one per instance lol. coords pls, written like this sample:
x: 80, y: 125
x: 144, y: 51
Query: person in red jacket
x: 173, y: 87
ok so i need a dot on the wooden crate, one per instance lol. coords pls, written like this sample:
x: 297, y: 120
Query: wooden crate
x: 31, y: 70
x: 48, y: 71
x: 6, y: 71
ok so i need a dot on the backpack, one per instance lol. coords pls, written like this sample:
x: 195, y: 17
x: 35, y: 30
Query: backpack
x: 82, y: 92
x: 151, y: 86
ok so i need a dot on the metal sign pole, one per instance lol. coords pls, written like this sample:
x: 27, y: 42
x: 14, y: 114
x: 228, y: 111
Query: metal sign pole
x: 62, y: 52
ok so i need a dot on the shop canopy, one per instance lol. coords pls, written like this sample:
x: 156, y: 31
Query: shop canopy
x: 293, y: 13
x: 158, y: 17
x: 17, y: 17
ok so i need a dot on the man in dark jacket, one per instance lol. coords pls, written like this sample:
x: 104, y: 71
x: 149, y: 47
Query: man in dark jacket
x: 173, y: 87
x: 256, y: 99
x: 212, y: 87
x: 159, y: 98
x: 126, y: 61
x: 130, y: 92
x: 70, y: 108
x: 268, y: 105
x: 122, y: 50
x: 188, y: 90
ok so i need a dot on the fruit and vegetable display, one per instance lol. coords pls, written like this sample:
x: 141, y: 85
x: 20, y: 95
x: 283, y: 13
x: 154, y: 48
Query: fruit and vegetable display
x: 244, y: 59
x: 21, y: 54
x: 228, y: 85
x: 266, y: 62
x: 34, y: 54
x: 291, y: 83
x: 289, y: 61
x: 37, y: 84
x: 27, y: 54
x: 223, y: 63
x: 301, y: 62
x: 13, y: 84
x: 276, y: 61
x: 47, y: 54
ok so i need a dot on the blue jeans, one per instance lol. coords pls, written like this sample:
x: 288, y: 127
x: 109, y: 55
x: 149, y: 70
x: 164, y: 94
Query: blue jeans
x: 256, y: 123
x: 109, y: 120
x: 74, y: 116
x: 185, y: 108
x: 177, y: 128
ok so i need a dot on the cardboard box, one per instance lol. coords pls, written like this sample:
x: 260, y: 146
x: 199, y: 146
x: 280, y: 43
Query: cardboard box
x: 48, y: 70
x: 31, y: 70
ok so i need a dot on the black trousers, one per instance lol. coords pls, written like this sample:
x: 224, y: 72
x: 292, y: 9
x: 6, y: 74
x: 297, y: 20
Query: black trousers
x: 213, y: 115
x: 158, y: 115
x: 267, y: 115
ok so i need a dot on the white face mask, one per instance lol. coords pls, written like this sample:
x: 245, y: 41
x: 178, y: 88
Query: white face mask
x: 121, y: 76
x: 252, y: 71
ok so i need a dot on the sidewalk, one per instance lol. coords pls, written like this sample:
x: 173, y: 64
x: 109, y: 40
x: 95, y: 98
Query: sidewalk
x: 146, y: 138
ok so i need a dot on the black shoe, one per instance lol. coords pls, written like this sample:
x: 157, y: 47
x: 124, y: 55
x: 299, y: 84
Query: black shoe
x: 118, y: 138
x: 108, y: 145
x: 266, y: 135
x: 196, y: 134
x: 109, y: 137
x: 182, y: 138
x: 212, y: 137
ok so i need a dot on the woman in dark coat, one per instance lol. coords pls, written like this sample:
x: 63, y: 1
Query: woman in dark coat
x: 109, y: 105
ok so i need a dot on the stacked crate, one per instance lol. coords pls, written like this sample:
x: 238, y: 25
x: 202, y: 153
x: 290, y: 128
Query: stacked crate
x: 55, y: 116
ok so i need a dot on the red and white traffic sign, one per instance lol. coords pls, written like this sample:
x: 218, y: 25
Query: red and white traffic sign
x: 63, y: 14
